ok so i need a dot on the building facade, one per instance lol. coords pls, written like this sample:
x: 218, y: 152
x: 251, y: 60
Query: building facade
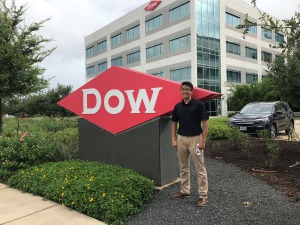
x: 195, y: 40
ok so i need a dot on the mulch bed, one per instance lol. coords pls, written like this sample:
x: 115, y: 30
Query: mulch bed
x: 282, y: 175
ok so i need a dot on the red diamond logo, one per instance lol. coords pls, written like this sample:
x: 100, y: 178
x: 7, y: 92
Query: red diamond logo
x: 152, y: 5
x: 120, y: 99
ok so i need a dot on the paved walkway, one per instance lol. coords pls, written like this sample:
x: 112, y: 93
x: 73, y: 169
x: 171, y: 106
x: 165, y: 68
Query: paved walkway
x: 17, y: 208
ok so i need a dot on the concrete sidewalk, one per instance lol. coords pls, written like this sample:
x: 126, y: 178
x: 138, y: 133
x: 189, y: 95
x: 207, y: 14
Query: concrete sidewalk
x: 17, y: 208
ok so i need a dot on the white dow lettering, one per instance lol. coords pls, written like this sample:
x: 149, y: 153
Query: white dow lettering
x: 91, y: 91
x: 135, y: 104
x: 142, y: 96
x: 119, y: 107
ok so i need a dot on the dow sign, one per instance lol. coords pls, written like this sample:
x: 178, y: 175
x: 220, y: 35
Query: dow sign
x: 119, y: 99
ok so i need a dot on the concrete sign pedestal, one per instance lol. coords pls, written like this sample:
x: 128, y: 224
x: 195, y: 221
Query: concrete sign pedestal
x: 146, y: 148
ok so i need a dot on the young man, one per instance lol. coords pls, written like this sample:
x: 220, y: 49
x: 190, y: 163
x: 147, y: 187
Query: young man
x: 190, y: 142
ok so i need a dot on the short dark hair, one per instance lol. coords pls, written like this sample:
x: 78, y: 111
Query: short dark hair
x: 187, y: 83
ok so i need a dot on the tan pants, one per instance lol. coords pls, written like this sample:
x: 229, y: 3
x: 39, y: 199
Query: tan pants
x: 187, y: 148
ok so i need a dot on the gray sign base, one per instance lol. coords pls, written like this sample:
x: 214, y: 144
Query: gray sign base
x: 146, y: 148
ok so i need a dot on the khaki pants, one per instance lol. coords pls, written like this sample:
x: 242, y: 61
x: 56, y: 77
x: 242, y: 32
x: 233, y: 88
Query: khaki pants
x: 187, y: 148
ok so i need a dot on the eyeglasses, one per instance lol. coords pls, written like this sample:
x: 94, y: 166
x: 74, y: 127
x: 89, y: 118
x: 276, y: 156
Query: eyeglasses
x: 185, y: 89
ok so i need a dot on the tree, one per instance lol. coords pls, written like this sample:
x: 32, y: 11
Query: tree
x: 285, y: 76
x: 39, y: 104
x: 55, y: 95
x: 240, y: 95
x: 21, y: 50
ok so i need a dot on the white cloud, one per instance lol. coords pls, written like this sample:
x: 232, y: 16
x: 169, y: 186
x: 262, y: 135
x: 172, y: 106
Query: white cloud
x: 70, y: 21
x: 278, y: 8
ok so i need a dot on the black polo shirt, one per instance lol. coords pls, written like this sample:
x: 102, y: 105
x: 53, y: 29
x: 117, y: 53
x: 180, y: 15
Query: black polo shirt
x: 189, y: 117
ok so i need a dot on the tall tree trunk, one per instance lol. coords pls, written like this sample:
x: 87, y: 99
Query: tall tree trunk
x: 1, y: 116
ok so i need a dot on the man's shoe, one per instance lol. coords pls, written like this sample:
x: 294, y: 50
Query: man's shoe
x: 180, y: 195
x: 202, y: 202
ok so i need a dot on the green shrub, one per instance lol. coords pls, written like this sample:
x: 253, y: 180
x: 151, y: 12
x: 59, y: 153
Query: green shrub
x: 13, y: 127
x: 105, y: 192
x: 29, y: 142
x: 218, y: 129
x: 293, y: 135
x: 236, y: 137
x: 273, y: 151
x: 246, y: 147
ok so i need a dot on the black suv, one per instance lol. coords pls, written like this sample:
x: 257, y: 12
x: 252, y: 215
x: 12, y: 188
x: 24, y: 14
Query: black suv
x: 257, y: 116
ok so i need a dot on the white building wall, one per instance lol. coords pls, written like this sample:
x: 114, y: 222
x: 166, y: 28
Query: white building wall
x: 241, y: 9
x: 234, y: 6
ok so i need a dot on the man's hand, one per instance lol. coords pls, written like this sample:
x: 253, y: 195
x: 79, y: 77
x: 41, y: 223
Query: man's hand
x: 202, y: 144
x: 174, y: 138
x: 174, y: 144
x: 204, y: 134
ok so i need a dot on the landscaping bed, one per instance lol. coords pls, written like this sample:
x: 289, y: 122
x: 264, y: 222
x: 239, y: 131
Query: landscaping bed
x: 283, y: 175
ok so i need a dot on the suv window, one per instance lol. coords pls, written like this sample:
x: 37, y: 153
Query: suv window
x: 286, y: 106
x: 279, y: 108
x: 257, y: 108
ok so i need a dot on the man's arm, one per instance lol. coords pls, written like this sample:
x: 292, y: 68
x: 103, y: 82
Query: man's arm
x: 204, y: 133
x: 174, y: 136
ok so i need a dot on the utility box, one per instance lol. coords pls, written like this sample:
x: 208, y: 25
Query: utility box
x: 146, y: 148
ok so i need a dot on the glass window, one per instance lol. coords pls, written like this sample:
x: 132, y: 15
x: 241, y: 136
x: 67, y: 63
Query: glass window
x: 266, y: 33
x: 154, y: 51
x: 90, y: 71
x: 102, y: 46
x: 153, y: 23
x: 181, y: 74
x: 116, y: 62
x: 133, y: 57
x: 232, y: 20
x: 234, y: 76
x: 251, y: 53
x: 217, y: 2
x: 279, y: 38
x: 204, y: 9
x: 158, y: 74
x: 205, y: 26
x: 180, y: 43
x: 211, y: 11
x: 102, y: 67
x: 179, y: 11
x: 90, y: 51
x: 115, y: 40
x: 252, y: 29
x: 133, y: 32
x: 266, y: 57
x: 233, y: 48
x: 251, y: 78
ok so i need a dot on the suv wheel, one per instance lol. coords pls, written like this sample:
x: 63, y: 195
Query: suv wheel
x: 290, y: 128
x: 273, y: 131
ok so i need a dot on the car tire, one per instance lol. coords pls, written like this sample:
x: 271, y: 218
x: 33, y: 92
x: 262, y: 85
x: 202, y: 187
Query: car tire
x: 290, y: 128
x: 273, y: 131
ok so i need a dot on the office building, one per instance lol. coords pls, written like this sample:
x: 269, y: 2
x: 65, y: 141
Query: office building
x: 195, y: 40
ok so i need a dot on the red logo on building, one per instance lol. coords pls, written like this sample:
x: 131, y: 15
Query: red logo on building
x: 152, y: 5
x: 120, y: 99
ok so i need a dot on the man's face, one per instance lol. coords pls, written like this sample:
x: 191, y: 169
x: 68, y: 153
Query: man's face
x: 186, y: 92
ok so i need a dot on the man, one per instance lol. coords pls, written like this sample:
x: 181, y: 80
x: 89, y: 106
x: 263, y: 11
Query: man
x: 190, y: 141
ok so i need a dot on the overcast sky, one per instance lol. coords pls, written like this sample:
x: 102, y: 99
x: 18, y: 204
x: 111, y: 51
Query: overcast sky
x: 72, y: 20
